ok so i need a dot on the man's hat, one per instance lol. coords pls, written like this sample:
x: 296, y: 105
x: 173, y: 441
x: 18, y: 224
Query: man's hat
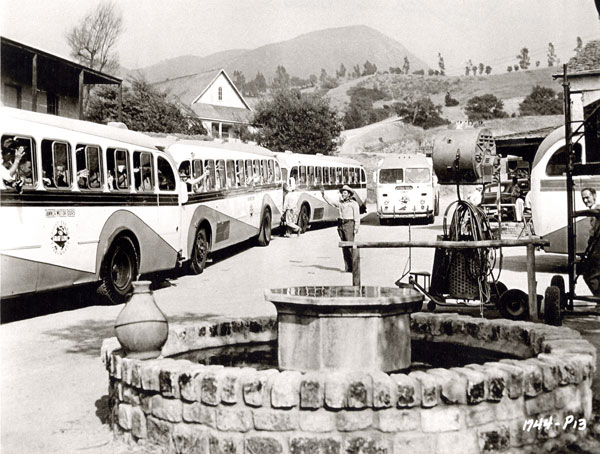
x: 347, y: 188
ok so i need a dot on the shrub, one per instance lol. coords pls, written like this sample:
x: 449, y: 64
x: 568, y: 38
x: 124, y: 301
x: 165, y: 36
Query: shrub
x: 484, y: 107
x: 422, y: 113
x: 449, y: 101
x: 542, y: 101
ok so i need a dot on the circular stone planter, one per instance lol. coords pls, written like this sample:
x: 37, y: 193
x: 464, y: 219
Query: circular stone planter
x: 478, y: 408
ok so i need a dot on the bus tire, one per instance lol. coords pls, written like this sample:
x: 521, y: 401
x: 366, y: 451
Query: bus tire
x: 199, y: 252
x: 436, y: 210
x: 514, y: 305
x: 430, y: 219
x: 303, y: 219
x: 119, y: 270
x: 559, y: 282
x: 552, y: 315
x: 264, y: 234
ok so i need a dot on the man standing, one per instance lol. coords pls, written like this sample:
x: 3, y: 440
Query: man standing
x: 348, y: 220
x: 591, y: 264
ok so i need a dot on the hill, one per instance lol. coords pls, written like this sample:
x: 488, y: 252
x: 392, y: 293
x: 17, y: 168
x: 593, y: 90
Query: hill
x: 301, y: 56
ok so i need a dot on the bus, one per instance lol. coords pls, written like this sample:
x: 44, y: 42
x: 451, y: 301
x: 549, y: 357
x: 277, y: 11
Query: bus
x: 548, y: 194
x: 311, y: 173
x: 406, y: 187
x: 92, y: 203
x: 234, y: 193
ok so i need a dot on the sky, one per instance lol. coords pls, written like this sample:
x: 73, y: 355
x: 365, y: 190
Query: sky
x: 488, y: 31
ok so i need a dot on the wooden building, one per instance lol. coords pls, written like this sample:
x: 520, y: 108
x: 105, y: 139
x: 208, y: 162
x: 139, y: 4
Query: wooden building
x: 35, y: 80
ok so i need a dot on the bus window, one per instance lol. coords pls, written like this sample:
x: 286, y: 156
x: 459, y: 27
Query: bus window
x: 240, y: 174
x: 319, y: 176
x: 294, y: 174
x: 230, y: 174
x: 277, y: 172
x: 557, y: 165
x: 209, y: 182
x: 26, y: 170
x: 391, y: 176
x: 143, y: 171
x: 249, y: 174
x: 166, y: 176
x: 418, y: 175
x: 197, y: 173
x: 256, y: 172
x: 302, y: 175
x: 87, y: 166
x: 363, y: 176
x: 310, y: 178
x: 340, y: 178
x: 117, y: 165
x: 284, y: 173
x: 325, y: 175
x: 356, y: 176
x: 264, y: 172
x: 55, y: 164
x: 220, y: 175
x: 185, y: 174
x: 271, y: 171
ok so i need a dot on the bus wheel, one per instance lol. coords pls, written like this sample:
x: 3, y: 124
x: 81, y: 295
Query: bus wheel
x: 496, y: 291
x: 119, y: 270
x: 264, y: 235
x: 552, y: 306
x: 199, y: 252
x: 559, y: 281
x: 303, y: 219
x: 514, y: 305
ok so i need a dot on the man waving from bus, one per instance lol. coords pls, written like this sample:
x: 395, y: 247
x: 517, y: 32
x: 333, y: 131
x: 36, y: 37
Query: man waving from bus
x: 348, y: 220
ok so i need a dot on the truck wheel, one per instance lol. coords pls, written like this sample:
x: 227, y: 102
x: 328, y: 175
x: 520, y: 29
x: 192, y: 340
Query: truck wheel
x: 514, y: 305
x: 552, y: 315
x: 559, y: 281
x: 264, y: 235
x: 119, y: 270
x: 303, y: 219
x: 496, y: 290
x: 199, y: 252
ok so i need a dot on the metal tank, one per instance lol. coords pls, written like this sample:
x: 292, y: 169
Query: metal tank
x: 465, y: 157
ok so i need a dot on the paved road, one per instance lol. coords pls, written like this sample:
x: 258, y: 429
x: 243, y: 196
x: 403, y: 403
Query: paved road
x: 53, y: 385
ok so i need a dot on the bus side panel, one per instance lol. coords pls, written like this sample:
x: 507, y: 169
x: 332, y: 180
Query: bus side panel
x: 276, y: 209
x: 155, y: 253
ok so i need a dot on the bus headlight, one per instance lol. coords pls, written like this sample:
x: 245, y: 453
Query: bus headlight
x: 422, y: 202
x: 386, y: 202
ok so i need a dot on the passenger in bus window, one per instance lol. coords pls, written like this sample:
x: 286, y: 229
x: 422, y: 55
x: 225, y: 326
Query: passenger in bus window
x: 10, y: 164
x: 61, y: 179
x: 25, y: 171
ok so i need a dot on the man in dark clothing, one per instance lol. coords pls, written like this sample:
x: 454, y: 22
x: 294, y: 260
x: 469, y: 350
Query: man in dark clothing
x: 591, y: 264
x: 348, y: 220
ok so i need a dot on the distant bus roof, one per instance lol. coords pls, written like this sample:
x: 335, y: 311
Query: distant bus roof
x: 290, y: 158
x: 404, y: 160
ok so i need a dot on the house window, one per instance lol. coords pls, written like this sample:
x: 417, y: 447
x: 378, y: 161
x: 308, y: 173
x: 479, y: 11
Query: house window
x: 52, y: 104
x: 11, y: 96
x: 220, y: 93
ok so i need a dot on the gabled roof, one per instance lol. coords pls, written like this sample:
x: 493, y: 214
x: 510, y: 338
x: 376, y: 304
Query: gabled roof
x: 186, y: 87
x: 588, y: 59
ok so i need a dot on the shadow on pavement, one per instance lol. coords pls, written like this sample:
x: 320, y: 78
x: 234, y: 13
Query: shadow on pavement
x: 86, y: 336
x: 321, y: 267
x: 544, y: 263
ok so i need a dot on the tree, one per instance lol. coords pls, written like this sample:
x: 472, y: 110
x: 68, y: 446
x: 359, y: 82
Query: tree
x: 239, y: 80
x: 441, y: 64
x: 256, y: 86
x: 92, y: 42
x: 406, y: 65
x: 323, y: 76
x: 551, y: 55
x: 313, y: 80
x: 341, y: 73
x: 516, y: 67
x: 281, y: 79
x: 542, y: 101
x: 537, y: 63
x: 422, y: 113
x: 484, y: 107
x: 302, y: 123
x: 579, y: 46
x: 481, y: 68
x: 356, y: 71
x: 468, y: 67
x: 524, y: 60
x: 449, y: 101
x: 144, y: 109
x: 488, y: 70
x: 509, y: 68
x: 369, y: 68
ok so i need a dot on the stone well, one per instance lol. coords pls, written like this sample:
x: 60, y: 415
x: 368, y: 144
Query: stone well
x: 479, y: 408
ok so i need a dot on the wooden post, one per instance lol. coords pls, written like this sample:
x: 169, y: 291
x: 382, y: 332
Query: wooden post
x: 531, y: 283
x: 121, y: 102
x: 34, y: 85
x: 81, y: 94
x: 355, y: 266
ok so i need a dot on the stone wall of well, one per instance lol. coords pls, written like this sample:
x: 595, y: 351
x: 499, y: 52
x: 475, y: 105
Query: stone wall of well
x: 187, y: 407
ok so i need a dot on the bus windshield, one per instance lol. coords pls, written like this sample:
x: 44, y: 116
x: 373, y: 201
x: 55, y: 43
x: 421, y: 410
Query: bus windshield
x: 418, y: 175
x: 391, y: 176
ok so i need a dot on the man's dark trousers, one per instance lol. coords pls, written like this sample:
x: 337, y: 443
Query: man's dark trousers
x: 346, y: 232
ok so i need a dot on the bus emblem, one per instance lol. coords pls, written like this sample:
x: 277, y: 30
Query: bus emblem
x: 60, y: 238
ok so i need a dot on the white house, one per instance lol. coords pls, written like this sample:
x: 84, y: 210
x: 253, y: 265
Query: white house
x: 214, y: 99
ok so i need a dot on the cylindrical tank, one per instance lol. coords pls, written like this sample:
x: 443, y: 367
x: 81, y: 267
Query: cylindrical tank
x: 462, y: 154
